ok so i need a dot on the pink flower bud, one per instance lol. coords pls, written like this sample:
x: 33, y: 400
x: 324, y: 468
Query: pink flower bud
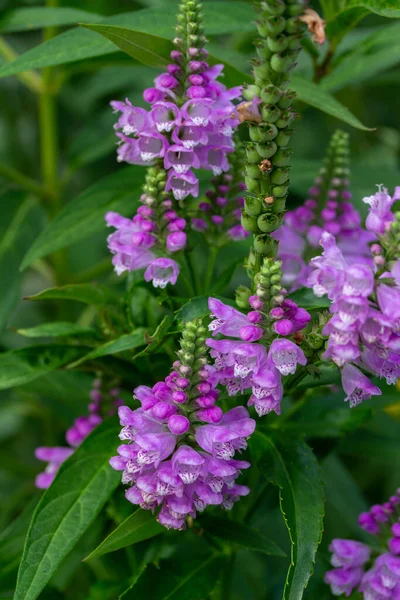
x: 210, y: 415
x: 179, y: 396
x: 256, y: 303
x: 250, y: 333
x: 178, y: 424
x: 283, y: 327
x: 176, y: 241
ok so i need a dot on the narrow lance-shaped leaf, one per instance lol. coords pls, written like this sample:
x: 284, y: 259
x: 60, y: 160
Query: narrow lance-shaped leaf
x: 80, y: 44
x: 290, y: 464
x: 124, y: 342
x: 29, y: 18
x: 80, y: 292
x: 84, y: 215
x: 82, y: 486
x: 57, y: 329
x: 26, y: 364
x: 139, y: 526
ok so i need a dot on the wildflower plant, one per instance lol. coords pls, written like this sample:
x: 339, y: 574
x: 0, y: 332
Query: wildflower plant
x: 238, y: 351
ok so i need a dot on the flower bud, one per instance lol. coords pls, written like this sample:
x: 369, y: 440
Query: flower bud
x: 251, y: 333
x: 178, y: 424
x: 176, y: 241
x: 210, y: 415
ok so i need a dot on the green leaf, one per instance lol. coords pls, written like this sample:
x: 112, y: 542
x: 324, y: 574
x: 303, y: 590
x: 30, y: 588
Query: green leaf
x: 20, y: 222
x: 314, y: 95
x: 290, y: 464
x: 305, y: 298
x: 81, y: 292
x: 13, y: 537
x: 84, y: 215
x: 56, y: 329
x: 240, y: 534
x: 139, y: 526
x: 326, y: 416
x: 156, y: 340
x: 178, y: 579
x: 372, y: 56
x: 80, y: 44
x: 125, y: 342
x: 27, y: 19
x: 25, y: 364
x: 82, y: 486
x: 197, y: 308
x: 384, y: 8
x: 149, y: 49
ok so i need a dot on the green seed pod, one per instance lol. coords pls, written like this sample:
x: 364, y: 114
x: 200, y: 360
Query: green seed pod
x: 282, y: 157
x: 263, y: 52
x: 283, y: 137
x: 261, y: 71
x: 274, y: 7
x: 253, y: 185
x: 253, y: 171
x: 278, y: 43
x: 287, y: 99
x: 270, y: 113
x: 275, y: 278
x: 267, y: 132
x: 279, y: 204
x: 280, y: 191
x: 267, y: 149
x: 286, y: 119
x: 251, y: 153
x: 250, y: 91
x: 281, y: 62
x: 275, y: 25
x: 269, y: 222
x: 249, y: 223
x: 255, y: 133
x: 270, y: 94
x: 280, y: 176
x: 252, y: 206
x: 242, y: 296
x: 265, y: 244
x: 262, y: 28
x: 275, y: 289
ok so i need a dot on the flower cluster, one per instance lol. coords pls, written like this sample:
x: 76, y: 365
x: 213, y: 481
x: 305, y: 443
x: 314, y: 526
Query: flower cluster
x: 218, y: 215
x: 181, y: 446
x: 188, y: 126
x: 328, y: 208
x: 365, y: 326
x: 244, y: 362
x: 103, y: 402
x: 377, y: 577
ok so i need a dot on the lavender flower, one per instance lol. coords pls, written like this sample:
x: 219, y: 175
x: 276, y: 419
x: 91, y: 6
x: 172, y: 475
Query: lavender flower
x: 189, y: 126
x: 358, y: 566
x: 257, y: 359
x: 181, y: 447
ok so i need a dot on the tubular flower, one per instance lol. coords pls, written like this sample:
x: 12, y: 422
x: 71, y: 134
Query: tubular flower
x: 375, y: 574
x: 180, y: 455
x: 189, y: 125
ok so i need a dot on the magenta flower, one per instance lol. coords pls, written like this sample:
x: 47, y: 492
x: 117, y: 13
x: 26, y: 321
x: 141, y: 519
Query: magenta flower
x: 162, y: 271
x: 343, y: 581
x: 348, y: 553
x: 54, y: 457
x: 357, y: 386
x: 380, y: 216
x: 285, y: 355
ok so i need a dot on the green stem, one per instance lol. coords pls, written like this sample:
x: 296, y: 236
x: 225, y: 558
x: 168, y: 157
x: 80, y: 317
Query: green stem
x: 27, y: 183
x: 30, y: 79
x: 210, y: 268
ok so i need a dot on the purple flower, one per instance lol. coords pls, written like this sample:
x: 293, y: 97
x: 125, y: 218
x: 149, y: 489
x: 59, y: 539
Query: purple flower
x: 348, y: 553
x: 182, y: 184
x: 227, y: 321
x: 176, y: 241
x: 187, y: 464
x: 164, y: 116
x: 162, y: 271
x: 357, y: 386
x: 224, y: 439
x: 380, y: 216
x: 181, y: 159
x: 343, y: 581
x: 54, y: 457
x: 285, y: 355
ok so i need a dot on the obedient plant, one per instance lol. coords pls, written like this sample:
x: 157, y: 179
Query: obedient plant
x: 252, y: 336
